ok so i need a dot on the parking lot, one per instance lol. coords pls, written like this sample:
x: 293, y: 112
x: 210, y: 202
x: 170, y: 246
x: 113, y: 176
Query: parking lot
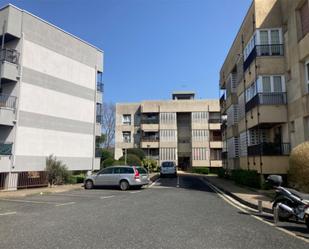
x: 177, y: 213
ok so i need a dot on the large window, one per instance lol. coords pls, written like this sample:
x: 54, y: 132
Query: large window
x: 199, y: 154
x: 168, y: 154
x: 126, y: 119
x: 168, y: 135
x: 304, y: 18
x: 200, y: 135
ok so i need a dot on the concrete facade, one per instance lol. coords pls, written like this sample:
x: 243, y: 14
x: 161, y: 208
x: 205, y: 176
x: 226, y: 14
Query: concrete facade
x: 183, y: 130
x: 51, y: 94
x: 265, y: 82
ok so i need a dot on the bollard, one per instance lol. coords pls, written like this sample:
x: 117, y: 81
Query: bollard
x: 260, y: 206
x: 276, y: 218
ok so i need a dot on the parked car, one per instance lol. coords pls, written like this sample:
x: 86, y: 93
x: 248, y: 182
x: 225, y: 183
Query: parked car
x: 168, y: 168
x: 122, y: 176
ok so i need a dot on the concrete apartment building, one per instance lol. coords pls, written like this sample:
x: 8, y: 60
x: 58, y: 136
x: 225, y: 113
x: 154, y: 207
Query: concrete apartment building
x: 265, y: 77
x: 50, y: 99
x: 183, y: 130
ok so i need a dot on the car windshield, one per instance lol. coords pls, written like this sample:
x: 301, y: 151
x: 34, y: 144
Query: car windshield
x: 167, y: 164
x: 141, y: 170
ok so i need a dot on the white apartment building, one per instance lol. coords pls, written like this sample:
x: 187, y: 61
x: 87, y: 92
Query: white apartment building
x: 184, y: 130
x: 50, y: 99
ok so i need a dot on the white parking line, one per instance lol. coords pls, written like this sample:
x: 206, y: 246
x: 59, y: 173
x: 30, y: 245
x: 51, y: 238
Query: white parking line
x: 34, y: 202
x: 135, y: 192
x: 106, y: 197
x: 152, y: 184
x: 7, y: 213
x: 65, y: 204
x: 247, y: 210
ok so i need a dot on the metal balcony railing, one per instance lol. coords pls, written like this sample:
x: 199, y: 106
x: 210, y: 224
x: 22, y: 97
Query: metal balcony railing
x: 9, y: 55
x: 266, y: 99
x: 150, y: 121
x: 99, y: 119
x: 150, y: 139
x: 7, y: 101
x: 263, y: 50
x: 100, y: 87
x: 6, y: 148
x: 269, y: 149
x: 214, y: 120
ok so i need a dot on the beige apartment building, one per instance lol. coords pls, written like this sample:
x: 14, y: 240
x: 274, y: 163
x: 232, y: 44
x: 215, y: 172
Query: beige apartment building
x: 265, y: 79
x: 183, y: 130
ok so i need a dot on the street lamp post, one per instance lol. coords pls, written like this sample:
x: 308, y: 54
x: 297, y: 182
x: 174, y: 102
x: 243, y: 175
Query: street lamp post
x: 148, y: 147
x: 125, y: 156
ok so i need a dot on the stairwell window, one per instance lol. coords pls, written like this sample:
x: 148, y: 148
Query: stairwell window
x: 126, y: 119
x: 126, y: 136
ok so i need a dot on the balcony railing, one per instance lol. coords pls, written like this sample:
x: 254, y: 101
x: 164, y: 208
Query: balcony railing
x: 9, y: 55
x: 214, y: 120
x: 6, y: 148
x: 266, y: 99
x: 269, y: 149
x: 100, y: 87
x: 263, y: 50
x: 7, y: 101
x: 150, y: 121
x: 150, y: 139
x: 98, y: 152
x: 99, y: 119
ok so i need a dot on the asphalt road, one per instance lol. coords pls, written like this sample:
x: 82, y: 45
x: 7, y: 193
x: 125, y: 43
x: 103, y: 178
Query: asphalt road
x: 174, y: 213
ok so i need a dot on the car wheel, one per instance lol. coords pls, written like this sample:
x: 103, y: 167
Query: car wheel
x: 124, y: 185
x: 89, y: 184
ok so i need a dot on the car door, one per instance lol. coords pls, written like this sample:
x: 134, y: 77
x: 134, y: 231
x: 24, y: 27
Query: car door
x: 105, y: 177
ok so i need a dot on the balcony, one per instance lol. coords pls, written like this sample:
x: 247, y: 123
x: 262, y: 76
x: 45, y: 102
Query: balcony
x: 100, y: 87
x: 222, y: 104
x: 7, y: 109
x: 6, y: 149
x: 9, y: 64
x: 9, y: 55
x: 269, y: 149
x: 266, y: 99
x: 99, y: 119
x: 150, y: 142
x: 154, y: 120
x: 263, y: 50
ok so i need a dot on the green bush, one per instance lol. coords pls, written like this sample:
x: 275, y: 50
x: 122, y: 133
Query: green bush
x: 200, y: 170
x: 71, y: 180
x: 132, y: 160
x: 137, y: 152
x: 57, y: 172
x: 150, y: 163
x: 249, y: 178
x: 119, y: 162
x: 107, y: 162
x: 222, y: 173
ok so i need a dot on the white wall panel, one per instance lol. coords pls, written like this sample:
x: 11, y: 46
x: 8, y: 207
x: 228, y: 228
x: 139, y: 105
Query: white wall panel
x: 49, y: 62
x: 48, y: 102
x: 41, y: 142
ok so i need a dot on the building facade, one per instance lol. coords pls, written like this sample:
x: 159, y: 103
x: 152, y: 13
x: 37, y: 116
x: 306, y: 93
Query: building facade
x: 265, y: 79
x: 50, y: 97
x: 183, y: 130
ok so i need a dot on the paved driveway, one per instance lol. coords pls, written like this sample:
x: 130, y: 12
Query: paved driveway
x: 174, y: 213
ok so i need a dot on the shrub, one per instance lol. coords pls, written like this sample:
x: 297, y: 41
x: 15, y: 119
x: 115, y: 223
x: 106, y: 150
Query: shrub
x: 200, y: 170
x: 298, y: 175
x: 73, y: 179
x: 132, y: 160
x: 57, y: 172
x: 249, y: 178
x: 138, y: 152
x: 119, y: 162
x: 107, y: 162
x: 222, y: 173
x: 150, y: 163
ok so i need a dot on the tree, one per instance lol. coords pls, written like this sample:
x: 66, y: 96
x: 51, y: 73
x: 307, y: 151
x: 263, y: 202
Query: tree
x: 108, y: 125
x: 57, y: 172
x: 138, y: 152
x: 100, y: 140
x: 132, y: 160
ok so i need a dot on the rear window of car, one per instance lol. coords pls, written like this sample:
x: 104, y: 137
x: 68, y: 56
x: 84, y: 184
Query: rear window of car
x: 141, y: 170
x: 126, y: 170
x: 167, y: 164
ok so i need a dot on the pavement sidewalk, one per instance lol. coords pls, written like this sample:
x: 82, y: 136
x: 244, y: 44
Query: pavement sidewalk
x: 246, y: 196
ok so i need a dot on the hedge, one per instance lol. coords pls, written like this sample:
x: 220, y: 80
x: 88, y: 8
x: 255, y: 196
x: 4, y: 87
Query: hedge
x: 249, y: 178
x: 200, y: 170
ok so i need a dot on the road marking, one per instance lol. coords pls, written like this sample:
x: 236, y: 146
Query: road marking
x: 152, y: 184
x: 69, y: 195
x: 7, y: 213
x: 106, y: 197
x: 245, y: 209
x: 65, y: 204
x: 135, y: 192
x: 28, y: 201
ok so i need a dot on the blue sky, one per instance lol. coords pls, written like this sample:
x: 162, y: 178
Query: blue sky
x: 152, y: 47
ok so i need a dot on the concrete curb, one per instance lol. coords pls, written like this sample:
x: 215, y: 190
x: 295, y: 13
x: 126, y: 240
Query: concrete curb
x: 242, y: 201
x: 154, y: 177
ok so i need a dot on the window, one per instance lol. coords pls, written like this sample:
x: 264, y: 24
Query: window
x: 292, y: 126
x: 124, y: 170
x: 126, y: 119
x: 266, y: 84
x: 306, y: 125
x: 126, y: 135
x: 307, y: 75
x: 200, y: 135
x: 168, y: 135
x: 168, y: 154
x: 199, y: 154
x: 107, y: 171
x: 277, y: 84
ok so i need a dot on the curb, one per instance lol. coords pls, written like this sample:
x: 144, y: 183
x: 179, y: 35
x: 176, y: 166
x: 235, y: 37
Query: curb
x: 154, y: 178
x: 242, y: 201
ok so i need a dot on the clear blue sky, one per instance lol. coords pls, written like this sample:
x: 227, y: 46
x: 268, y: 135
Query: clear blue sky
x: 152, y: 47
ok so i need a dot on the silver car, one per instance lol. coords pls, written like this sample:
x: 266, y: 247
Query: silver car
x: 122, y: 176
x: 168, y: 168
